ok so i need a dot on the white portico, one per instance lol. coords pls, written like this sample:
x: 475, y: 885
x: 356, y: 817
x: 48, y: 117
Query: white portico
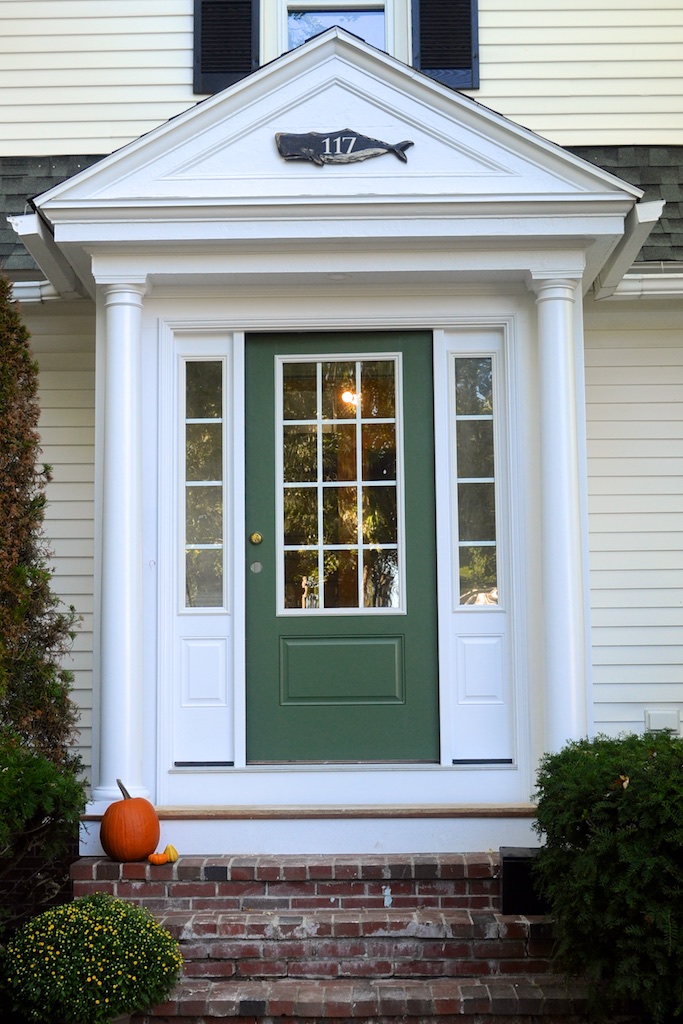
x: 233, y: 286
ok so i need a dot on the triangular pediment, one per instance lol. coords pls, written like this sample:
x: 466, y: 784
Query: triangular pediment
x: 224, y: 152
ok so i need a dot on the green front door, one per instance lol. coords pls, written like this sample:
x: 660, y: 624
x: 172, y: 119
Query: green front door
x: 341, y: 589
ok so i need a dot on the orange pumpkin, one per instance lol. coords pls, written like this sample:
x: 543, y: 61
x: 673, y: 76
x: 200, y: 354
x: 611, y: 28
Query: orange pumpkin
x: 158, y: 858
x: 130, y: 828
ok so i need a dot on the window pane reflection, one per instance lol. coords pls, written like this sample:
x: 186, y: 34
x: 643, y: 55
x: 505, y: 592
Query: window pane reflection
x: 300, y: 454
x: 339, y: 391
x: 474, y: 386
x: 380, y: 579
x: 203, y: 390
x: 341, y: 579
x: 203, y: 578
x: 379, y: 451
x: 301, y: 515
x: 204, y: 515
x: 378, y: 391
x: 299, y: 391
x: 476, y: 512
x: 301, y: 579
x: 380, y: 524
x: 338, y: 460
x: 478, y: 576
x: 339, y: 451
x: 368, y: 25
x: 340, y: 515
x: 204, y: 451
x: 203, y: 481
x: 474, y: 447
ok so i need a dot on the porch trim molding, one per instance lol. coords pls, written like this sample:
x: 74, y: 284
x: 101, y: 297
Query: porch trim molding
x: 299, y: 812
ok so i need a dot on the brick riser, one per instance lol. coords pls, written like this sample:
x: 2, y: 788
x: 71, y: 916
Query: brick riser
x: 359, y: 944
x: 464, y: 881
x: 343, y: 939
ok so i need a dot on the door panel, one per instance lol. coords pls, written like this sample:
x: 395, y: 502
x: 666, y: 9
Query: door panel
x: 341, y: 605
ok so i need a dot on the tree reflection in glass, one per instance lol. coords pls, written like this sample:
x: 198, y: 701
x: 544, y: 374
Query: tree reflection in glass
x: 340, y: 527
x: 476, y: 483
x: 203, y: 471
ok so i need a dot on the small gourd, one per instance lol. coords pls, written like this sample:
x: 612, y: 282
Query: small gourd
x: 130, y: 828
x: 169, y: 855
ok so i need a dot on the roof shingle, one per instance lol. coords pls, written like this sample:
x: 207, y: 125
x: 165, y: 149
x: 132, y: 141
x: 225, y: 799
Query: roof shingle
x: 658, y: 170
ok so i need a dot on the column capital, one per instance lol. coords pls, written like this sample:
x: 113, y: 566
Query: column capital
x: 555, y: 285
x: 125, y: 292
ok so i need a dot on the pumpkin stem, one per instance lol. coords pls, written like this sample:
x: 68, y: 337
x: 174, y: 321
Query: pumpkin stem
x: 126, y: 794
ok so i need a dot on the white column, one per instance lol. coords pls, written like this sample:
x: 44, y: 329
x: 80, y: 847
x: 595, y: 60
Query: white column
x: 120, y: 735
x: 563, y: 612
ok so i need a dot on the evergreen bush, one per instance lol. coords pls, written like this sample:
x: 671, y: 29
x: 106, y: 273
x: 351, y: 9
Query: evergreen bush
x: 35, y: 632
x: 40, y: 807
x: 37, y: 715
x: 610, y: 812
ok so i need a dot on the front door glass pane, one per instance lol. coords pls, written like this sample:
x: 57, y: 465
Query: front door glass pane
x: 340, y: 485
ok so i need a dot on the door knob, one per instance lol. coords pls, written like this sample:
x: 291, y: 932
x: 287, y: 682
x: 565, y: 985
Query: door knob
x: 255, y: 538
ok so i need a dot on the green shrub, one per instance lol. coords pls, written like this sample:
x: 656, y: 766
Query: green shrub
x: 40, y: 806
x: 87, y: 962
x: 40, y: 794
x: 35, y: 633
x: 611, y: 814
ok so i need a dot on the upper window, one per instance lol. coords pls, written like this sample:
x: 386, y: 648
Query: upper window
x: 234, y: 37
x: 367, y: 23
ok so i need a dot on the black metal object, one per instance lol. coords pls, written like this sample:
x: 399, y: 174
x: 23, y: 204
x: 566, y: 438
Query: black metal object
x: 518, y: 890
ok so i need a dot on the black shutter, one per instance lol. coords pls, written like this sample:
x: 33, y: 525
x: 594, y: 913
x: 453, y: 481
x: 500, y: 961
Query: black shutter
x: 226, y: 42
x: 445, y: 41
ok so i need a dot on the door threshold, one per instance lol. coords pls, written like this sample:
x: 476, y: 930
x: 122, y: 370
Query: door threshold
x: 299, y: 761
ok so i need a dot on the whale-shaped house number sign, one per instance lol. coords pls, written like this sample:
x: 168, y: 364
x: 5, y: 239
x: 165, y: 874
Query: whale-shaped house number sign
x: 343, y: 147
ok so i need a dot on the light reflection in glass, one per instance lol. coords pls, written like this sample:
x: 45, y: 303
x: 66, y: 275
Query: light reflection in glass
x: 340, y: 525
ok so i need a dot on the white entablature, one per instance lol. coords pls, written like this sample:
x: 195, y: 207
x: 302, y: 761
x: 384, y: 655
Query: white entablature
x: 212, y: 179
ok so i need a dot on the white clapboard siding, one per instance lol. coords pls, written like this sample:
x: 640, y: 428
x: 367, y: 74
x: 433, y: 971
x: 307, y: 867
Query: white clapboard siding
x: 634, y: 384
x: 63, y: 342
x: 585, y: 72
x: 85, y: 77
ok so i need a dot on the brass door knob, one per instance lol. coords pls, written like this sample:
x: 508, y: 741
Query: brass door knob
x: 255, y: 538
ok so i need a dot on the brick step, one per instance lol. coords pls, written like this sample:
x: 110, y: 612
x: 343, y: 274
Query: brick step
x: 454, y: 881
x: 334, y: 944
x: 343, y: 939
x: 444, y: 1000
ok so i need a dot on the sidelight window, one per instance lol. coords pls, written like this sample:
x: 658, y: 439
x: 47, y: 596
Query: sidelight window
x: 204, y: 540
x: 476, y: 484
